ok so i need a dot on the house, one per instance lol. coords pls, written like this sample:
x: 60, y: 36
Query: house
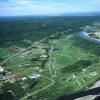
x: 11, y: 78
x: 24, y: 78
x: 1, y: 69
x: 34, y: 76
x: 43, y: 56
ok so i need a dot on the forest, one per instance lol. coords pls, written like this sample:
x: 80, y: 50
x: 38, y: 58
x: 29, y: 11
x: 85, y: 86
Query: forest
x: 77, y: 67
x: 14, y: 30
x: 86, y: 45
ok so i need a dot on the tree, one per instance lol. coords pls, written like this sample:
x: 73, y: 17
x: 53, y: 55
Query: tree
x: 12, y: 90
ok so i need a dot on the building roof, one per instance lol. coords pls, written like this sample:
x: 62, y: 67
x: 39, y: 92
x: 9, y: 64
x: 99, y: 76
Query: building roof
x: 1, y: 69
x: 34, y: 76
x: 24, y: 78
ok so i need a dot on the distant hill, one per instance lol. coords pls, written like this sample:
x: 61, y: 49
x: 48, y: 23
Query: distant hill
x: 97, y: 13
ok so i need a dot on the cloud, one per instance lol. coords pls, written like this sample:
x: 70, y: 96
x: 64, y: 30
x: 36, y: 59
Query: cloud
x: 79, y: 0
x: 4, y: 4
x: 15, y: 3
x: 22, y: 2
x: 94, y: 1
x: 61, y: 5
x: 31, y: 7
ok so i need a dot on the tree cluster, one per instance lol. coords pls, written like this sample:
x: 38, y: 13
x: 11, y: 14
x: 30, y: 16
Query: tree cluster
x: 77, y: 67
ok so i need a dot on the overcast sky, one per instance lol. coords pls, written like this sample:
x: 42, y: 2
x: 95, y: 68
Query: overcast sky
x: 34, y: 7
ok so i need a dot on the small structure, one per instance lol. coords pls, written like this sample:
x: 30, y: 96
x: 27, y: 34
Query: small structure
x: 93, y: 74
x: 74, y: 76
x: 84, y: 70
x: 20, y: 65
x: 44, y: 56
x: 24, y: 78
x: 40, y: 70
x: 11, y: 78
x: 1, y: 69
x: 36, y: 68
x: 34, y: 76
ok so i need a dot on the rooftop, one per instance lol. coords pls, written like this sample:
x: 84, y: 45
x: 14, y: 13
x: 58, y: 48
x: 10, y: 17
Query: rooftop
x: 34, y: 76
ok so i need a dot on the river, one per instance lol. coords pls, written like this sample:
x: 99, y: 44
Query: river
x: 81, y: 33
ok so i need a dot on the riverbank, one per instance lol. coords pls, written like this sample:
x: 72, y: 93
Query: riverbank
x: 83, y: 34
x: 86, y: 34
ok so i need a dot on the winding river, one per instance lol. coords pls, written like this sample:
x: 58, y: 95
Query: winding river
x: 81, y: 33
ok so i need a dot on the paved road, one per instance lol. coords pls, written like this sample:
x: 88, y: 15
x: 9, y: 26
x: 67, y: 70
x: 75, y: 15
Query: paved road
x: 52, y: 82
x: 5, y: 61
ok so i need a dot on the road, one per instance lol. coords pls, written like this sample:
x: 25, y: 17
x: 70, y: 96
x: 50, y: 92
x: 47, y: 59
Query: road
x: 5, y: 61
x: 52, y: 82
x: 49, y: 64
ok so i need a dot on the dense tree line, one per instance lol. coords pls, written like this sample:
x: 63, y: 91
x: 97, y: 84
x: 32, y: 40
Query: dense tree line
x: 1, y: 59
x: 53, y: 92
x: 88, y: 46
x: 31, y: 83
x: 14, y: 30
x: 77, y: 67
x: 14, y: 91
x: 94, y: 36
x: 11, y: 91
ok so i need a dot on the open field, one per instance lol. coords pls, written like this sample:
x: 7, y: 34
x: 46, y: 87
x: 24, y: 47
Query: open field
x: 13, y: 49
x: 4, y: 52
x: 27, y: 41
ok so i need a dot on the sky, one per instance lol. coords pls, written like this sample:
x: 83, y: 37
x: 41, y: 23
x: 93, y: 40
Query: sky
x: 41, y: 7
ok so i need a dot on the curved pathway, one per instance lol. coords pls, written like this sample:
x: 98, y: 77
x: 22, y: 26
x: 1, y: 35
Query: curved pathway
x: 52, y: 82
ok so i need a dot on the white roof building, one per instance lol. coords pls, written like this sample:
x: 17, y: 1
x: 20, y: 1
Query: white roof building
x: 34, y: 76
x: 1, y: 69
x: 24, y: 78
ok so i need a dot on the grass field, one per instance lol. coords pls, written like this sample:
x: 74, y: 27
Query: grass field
x: 4, y: 53
x: 27, y: 41
x: 63, y: 60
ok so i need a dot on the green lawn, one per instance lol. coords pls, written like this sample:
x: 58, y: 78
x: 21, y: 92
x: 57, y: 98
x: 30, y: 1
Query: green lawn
x: 63, y: 60
x: 27, y: 41
x: 4, y: 52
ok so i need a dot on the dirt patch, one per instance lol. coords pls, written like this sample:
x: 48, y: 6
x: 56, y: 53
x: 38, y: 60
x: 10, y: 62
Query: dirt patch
x: 12, y: 49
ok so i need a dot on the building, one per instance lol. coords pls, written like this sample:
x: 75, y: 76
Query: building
x: 11, y: 79
x: 34, y: 76
x: 24, y: 78
x: 1, y: 69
